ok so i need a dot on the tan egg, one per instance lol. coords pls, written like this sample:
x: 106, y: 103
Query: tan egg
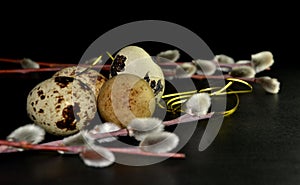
x: 124, y: 97
x: 61, y: 105
x: 135, y: 60
x: 91, y: 78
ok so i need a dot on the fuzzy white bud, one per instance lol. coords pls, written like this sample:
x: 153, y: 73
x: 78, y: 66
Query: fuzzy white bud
x: 159, y: 142
x: 168, y: 56
x: 30, y: 133
x: 198, y: 104
x: 242, y: 71
x: 205, y: 67
x: 271, y: 85
x: 262, y: 60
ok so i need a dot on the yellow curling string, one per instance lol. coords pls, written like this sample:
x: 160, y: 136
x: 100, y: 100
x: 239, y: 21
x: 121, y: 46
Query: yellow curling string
x: 189, y: 92
x: 180, y: 95
x: 174, y: 104
x: 231, y: 111
x: 91, y: 66
x: 238, y: 91
x: 110, y: 56
x: 97, y: 60
x: 220, y: 92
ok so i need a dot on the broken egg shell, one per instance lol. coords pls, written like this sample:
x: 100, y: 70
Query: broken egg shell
x: 61, y: 105
x: 135, y: 60
x: 125, y: 97
x: 91, y: 78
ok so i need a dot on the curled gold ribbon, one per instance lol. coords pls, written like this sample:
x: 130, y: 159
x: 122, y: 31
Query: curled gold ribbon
x: 174, y: 101
x: 110, y: 56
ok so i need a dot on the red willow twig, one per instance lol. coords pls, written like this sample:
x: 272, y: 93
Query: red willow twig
x: 25, y: 71
x: 49, y: 66
x: 137, y: 151
x: 124, y: 132
x: 26, y: 145
x: 46, y: 66
x: 78, y: 149
x: 221, y: 77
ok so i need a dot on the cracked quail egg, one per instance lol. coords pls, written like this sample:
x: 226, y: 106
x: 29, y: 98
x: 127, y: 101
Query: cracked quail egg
x: 135, y: 60
x: 61, y: 105
x: 124, y: 97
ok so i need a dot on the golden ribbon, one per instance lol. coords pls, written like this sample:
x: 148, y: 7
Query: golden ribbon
x: 175, y: 100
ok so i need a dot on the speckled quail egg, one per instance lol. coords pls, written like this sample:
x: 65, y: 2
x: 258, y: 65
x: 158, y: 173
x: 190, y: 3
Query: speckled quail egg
x: 124, y: 97
x: 91, y: 77
x: 135, y: 60
x: 61, y: 105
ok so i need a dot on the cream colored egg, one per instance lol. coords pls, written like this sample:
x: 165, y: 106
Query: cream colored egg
x: 135, y: 60
x: 61, y: 105
x: 124, y: 97
x: 91, y: 77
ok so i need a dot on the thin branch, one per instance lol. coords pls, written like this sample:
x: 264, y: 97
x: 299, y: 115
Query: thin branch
x: 45, y: 64
x: 187, y: 118
x: 26, y: 145
x: 137, y: 151
x: 78, y: 149
x: 221, y: 77
x: 122, y: 132
x: 25, y: 71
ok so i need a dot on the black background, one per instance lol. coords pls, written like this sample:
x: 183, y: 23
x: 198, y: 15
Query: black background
x: 62, y: 34
x: 259, y: 144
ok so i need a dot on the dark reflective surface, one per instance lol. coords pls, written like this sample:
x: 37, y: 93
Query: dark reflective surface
x: 258, y: 144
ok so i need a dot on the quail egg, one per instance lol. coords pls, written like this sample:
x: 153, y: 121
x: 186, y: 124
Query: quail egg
x: 135, y: 60
x: 124, y: 97
x: 61, y: 105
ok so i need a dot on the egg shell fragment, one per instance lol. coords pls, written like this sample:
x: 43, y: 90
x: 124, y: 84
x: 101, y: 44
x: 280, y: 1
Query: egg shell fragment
x: 61, y: 105
x: 91, y: 78
x: 125, y: 97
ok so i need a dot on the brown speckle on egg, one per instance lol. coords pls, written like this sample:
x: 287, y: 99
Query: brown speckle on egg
x: 146, y: 77
x: 90, y: 78
x: 159, y: 87
x: 152, y: 84
x: 68, y: 121
x: 118, y: 65
x: 40, y: 92
x: 63, y: 81
x: 59, y: 99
